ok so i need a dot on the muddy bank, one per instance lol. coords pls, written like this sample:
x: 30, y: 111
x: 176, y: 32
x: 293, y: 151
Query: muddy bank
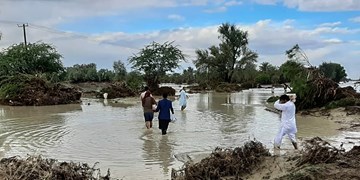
x: 317, y: 160
x: 26, y: 90
x: 347, y: 117
x: 97, y: 89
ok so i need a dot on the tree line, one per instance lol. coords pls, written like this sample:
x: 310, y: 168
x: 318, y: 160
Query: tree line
x: 231, y: 61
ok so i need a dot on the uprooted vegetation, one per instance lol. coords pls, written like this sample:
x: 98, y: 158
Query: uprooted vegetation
x: 225, y: 162
x: 318, y: 160
x: 38, y: 168
x: 28, y: 90
x: 322, y: 91
x: 321, y: 160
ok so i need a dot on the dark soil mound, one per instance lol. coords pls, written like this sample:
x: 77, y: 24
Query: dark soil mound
x: 225, y: 162
x: 38, y: 168
x: 116, y: 90
x: 165, y: 89
x: 26, y: 90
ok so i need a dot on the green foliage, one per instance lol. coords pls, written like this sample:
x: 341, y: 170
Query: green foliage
x: 188, y: 76
x: 342, y: 103
x: 105, y: 75
x: 230, y: 56
x: 82, y: 73
x: 9, y: 90
x: 334, y: 71
x: 35, y: 59
x: 247, y: 74
x: 10, y: 86
x: 263, y: 79
x: 292, y: 70
x: 155, y: 60
x: 134, y: 81
x: 119, y: 70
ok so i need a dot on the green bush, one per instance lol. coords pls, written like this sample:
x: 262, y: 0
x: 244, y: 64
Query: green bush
x: 134, y: 81
x: 342, y: 103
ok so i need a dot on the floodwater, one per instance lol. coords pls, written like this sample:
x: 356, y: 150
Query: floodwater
x: 113, y: 133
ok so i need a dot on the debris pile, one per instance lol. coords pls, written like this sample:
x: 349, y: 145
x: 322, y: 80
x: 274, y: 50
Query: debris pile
x: 28, y: 90
x: 321, y: 91
x: 225, y: 162
x: 319, y: 151
x: 36, y: 167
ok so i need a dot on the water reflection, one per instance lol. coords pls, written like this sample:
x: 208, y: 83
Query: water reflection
x: 157, y: 150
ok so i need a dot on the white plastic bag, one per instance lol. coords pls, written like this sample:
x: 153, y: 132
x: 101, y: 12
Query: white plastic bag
x: 154, y: 106
x: 173, y: 118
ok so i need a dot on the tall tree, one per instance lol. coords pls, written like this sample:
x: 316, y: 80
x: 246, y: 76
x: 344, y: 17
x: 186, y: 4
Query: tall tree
x: 35, y: 59
x: 232, y: 53
x: 155, y: 60
x: 119, y: 70
x: 334, y: 71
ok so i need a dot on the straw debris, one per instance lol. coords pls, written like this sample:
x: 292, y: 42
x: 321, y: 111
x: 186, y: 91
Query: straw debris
x: 36, y: 167
x: 225, y: 162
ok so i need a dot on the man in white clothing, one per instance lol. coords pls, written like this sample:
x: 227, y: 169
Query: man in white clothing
x: 288, y: 120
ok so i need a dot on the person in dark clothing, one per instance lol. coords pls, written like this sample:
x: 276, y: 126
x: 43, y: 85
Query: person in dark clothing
x: 147, y: 102
x: 164, y: 107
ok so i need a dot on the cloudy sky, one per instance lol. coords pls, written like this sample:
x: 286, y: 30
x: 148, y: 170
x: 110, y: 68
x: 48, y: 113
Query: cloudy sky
x: 104, y: 31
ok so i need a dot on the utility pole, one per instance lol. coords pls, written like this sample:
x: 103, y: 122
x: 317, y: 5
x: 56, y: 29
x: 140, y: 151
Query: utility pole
x: 23, y: 26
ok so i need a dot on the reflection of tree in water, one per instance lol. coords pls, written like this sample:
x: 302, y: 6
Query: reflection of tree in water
x: 203, y: 103
x: 158, y: 150
x: 232, y: 110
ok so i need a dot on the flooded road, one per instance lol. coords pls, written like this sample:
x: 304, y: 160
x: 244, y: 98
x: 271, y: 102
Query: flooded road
x: 114, y: 134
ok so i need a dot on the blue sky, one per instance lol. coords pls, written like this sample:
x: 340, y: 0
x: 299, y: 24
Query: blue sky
x: 101, y: 32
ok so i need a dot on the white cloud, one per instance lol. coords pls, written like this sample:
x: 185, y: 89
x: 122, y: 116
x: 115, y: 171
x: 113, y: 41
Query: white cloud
x: 323, y: 5
x: 216, y: 10
x: 335, y: 30
x: 176, y: 17
x: 266, y: 2
x: 333, y: 41
x: 355, y: 19
x: 330, y: 24
x: 233, y: 3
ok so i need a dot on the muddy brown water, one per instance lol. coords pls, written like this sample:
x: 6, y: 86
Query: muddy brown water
x: 113, y: 133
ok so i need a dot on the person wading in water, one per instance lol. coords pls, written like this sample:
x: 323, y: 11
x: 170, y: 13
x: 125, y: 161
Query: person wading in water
x: 164, y: 107
x: 147, y: 103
